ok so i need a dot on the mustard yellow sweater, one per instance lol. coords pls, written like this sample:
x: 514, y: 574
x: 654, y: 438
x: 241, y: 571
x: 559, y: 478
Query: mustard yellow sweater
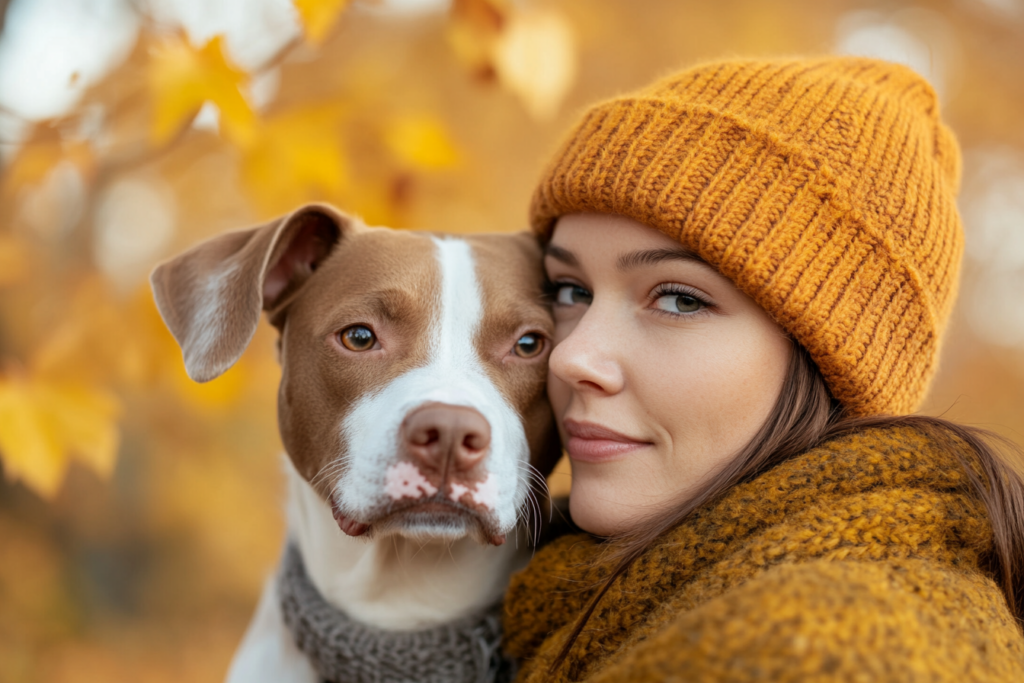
x: 856, y: 561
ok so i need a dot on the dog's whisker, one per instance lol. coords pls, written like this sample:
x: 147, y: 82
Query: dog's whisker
x: 337, y: 462
x: 522, y: 521
x: 420, y: 549
x: 323, y: 473
x: 539, y: 479
x: 540, y: 516
x: 533, y: 474
x: 531, y: 517
x: 539, y: 507
x: 530, y: 509
x: 542, y: 484
x: 329, y: 470
x: 531, y: 513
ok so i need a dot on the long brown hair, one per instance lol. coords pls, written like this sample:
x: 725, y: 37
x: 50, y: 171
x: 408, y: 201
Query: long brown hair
x: 804, y: 416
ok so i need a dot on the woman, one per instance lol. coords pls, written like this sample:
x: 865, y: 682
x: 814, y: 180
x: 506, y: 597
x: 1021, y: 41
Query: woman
x: 751, y: 267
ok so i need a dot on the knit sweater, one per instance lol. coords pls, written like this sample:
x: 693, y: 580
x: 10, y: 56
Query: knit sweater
x: 342, y: 650
x: 860, y: 560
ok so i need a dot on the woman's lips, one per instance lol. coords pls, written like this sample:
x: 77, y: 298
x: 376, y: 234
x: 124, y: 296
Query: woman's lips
x: 589, y: 442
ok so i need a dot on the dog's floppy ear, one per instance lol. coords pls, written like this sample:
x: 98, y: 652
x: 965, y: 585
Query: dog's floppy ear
x: 211, y: 296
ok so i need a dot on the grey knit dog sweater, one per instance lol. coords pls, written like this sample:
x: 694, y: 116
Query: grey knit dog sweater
x: 344, y: 651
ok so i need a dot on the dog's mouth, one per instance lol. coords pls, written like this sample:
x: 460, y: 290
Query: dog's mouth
x: 346, y: 523
x: 431, y: 518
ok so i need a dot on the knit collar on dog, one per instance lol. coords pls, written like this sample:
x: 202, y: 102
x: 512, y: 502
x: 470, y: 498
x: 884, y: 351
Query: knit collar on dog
x: 341, y: 649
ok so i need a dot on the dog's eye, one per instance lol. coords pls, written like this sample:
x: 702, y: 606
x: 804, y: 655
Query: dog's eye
x: 529, y: 345
x: 358, y: 338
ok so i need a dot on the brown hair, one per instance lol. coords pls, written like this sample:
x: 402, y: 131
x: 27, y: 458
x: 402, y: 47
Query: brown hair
x: 806, y: 415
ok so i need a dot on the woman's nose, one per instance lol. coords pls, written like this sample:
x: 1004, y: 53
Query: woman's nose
x: 589, y: 358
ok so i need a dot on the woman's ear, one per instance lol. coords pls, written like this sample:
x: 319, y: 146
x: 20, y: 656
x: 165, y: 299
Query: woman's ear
x: 211, y: 296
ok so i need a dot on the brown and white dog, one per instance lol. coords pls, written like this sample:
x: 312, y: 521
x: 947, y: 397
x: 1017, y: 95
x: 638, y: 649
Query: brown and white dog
x: 411, y: 407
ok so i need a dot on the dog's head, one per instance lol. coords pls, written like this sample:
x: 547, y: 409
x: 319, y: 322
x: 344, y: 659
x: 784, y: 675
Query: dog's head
x: 413, y: 366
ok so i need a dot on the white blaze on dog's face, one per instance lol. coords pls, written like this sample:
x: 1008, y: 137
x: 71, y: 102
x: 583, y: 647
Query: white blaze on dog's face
x: 442, y: 318
x: 452, y: 373
x: 413, y: 366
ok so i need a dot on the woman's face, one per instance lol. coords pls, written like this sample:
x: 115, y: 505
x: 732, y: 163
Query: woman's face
x: 662, y: 369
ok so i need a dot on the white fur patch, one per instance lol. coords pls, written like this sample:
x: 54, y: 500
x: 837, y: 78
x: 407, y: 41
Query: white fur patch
x: 404, y: 480
x: 207, y: 321
x: 453, y: 374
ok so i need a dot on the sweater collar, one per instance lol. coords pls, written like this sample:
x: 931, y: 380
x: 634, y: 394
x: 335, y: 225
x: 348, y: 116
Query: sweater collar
x: 867, y: 496
x: 342, y: 649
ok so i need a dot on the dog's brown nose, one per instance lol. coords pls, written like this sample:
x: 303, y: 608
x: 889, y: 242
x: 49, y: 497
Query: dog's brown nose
x: 446, y: 439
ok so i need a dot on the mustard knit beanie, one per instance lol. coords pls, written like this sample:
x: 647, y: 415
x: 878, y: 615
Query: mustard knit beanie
x: 824, y: 188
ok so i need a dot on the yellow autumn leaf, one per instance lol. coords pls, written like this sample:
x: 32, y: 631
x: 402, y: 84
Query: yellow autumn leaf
x: 46, y: 424
x: 318, y: 16
x: 535, y: 58
x: 296, y: 156
x: 102, y: 337
x: 183, y: 78
x: 420, y: 142
x: 106, y: 338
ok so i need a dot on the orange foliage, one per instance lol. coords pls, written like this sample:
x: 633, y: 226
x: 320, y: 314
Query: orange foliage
x: 304, y: 144
x: 183, y: 78
x: 42, y: 151
x: 318, y: 17
x: 43, y: 424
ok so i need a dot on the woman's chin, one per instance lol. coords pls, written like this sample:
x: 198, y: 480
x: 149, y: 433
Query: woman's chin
x: 592, y: 511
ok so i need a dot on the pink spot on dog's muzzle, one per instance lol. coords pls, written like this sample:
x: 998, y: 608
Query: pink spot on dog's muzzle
x: 404, y: 480
x: 449, y: 444
x: 485, y: 494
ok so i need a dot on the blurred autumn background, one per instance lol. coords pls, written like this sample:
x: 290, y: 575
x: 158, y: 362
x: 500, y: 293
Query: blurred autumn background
x: 139, y: 512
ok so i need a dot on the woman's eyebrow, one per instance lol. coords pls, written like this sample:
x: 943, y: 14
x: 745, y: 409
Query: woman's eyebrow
x: 560, y: 254
x: 650, y: 257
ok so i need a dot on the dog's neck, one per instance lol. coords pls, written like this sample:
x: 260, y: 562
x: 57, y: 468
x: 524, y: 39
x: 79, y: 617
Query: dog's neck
x: 394, y: 582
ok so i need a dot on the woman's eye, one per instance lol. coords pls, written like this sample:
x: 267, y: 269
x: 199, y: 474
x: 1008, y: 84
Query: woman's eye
x: 358, y: 338
x: 570, y: 295
x: 529, y: 345
x: 679, y: 303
